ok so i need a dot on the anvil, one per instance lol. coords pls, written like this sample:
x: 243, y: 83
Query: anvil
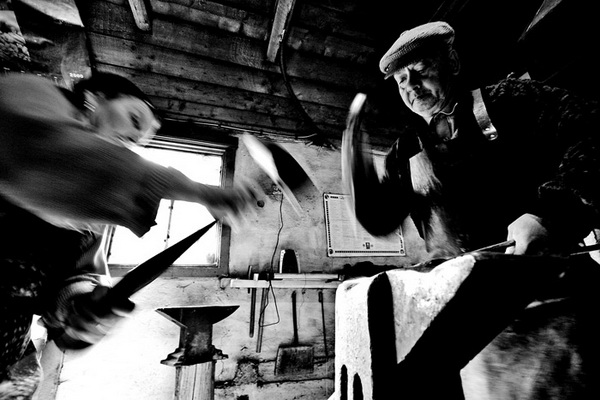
x: 196, y: 335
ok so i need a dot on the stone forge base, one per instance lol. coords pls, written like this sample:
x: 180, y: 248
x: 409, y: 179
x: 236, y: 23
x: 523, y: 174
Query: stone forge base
x: 408, y: 334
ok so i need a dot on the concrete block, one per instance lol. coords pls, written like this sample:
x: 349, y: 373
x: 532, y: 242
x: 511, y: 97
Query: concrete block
x: 441, y: 319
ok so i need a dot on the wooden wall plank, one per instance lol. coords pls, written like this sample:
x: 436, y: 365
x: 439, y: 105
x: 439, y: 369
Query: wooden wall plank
x: 256, y: 26
x: 226, y: 115
x: 217, y: 95
x: 110, y: 19
x: 302, y: 39
x: 215, y: 15
x: 197, y: 65
x: 265, y: 7
x: 378, y: 136
x: 317, y: 15
x: 214, y: 96
x: 135, y: 55
x: 227, y: 128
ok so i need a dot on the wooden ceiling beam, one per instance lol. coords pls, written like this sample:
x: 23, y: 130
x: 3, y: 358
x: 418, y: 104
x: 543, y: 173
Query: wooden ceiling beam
x: 283, y: 13
x: 140, y: 14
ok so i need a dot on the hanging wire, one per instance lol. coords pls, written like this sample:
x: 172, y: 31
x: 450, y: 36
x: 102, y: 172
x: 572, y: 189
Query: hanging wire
x: 272, y: 272
x: 168, y: 235
x: 318, y: 137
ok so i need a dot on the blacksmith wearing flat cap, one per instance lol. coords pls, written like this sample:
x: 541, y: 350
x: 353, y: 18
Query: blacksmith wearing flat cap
x: 413, y: 43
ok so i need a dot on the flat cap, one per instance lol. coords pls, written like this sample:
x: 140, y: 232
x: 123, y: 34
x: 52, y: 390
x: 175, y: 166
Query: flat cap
x: 411, y: 42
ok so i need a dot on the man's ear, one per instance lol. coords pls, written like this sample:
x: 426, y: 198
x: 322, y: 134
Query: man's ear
x: 91, y: 101
x: 454, y: 62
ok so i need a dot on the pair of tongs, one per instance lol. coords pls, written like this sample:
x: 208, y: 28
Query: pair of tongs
x: 430, y: 264
x: 509, y: 243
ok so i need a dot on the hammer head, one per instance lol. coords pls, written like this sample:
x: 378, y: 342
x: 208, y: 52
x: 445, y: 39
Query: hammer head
x: 282, y: 168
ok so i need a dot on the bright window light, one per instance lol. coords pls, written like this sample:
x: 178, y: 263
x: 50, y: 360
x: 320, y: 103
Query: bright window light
x: 175, y: 219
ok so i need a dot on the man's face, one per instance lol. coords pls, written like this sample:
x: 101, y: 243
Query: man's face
x: 126, y: 120
x: 424, y: 86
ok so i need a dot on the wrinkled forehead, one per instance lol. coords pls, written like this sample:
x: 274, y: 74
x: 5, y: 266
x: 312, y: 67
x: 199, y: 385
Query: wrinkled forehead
x: 432, y: 57
x: 421, y: 64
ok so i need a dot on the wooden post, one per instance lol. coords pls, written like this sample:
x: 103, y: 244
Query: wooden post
x: 196, y: 356
x: 195, y: 382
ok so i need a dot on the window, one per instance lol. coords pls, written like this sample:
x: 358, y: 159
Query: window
x: 175, y: 220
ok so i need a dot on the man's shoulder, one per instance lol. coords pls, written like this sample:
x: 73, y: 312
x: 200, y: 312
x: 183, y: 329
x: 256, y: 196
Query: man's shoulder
x: 510, y: 86
x: 517, y: 95
x: 26, y: 82
x: 31, y: 96
x: 522, y: 91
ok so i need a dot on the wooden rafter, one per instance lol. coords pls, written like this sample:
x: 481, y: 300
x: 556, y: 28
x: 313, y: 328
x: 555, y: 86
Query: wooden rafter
x: 140, y: 14
x: 280, y: 21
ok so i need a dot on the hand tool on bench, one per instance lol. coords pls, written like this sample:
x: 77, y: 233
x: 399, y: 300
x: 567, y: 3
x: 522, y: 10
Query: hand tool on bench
x: 294, y: 358
x: 254, y: 277
x: 261, y: 317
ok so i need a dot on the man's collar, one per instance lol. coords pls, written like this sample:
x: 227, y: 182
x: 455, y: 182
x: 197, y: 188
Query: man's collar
x: 448, y: 114
x: 443, y: 125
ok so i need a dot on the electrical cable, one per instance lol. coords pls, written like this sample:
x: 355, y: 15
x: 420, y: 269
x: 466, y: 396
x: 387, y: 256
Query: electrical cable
x: 317, y: 137
x: 294, y: 98
x: 272, y: 272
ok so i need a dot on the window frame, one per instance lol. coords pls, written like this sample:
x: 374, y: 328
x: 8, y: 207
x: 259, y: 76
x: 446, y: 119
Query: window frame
x: 206, y: 142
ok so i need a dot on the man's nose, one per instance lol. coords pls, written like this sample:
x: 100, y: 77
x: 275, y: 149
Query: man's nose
x: 413, y: 79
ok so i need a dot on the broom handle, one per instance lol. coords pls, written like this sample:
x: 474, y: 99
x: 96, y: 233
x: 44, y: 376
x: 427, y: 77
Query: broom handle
x: 294, y: 318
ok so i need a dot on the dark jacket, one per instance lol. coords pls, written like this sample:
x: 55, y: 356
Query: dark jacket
x: 462, y: 194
